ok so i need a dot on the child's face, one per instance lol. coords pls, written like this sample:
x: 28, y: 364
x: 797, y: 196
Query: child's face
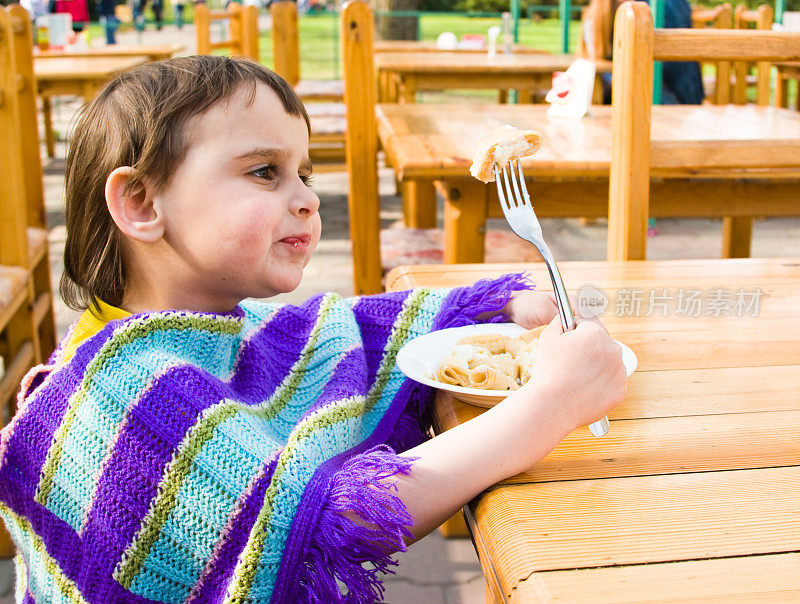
x: 238, y: 211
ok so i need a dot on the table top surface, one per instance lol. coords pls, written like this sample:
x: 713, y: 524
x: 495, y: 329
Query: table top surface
x: 475, y: 62
x: 69, y: 68
x: 113, y: 50
x: 693, y: 493
x: 437, y: 140
x: 381, y: 46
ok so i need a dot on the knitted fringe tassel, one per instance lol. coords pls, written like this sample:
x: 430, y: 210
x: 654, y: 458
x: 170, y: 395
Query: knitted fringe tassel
x: 465, y: 304
x: 334, y: 568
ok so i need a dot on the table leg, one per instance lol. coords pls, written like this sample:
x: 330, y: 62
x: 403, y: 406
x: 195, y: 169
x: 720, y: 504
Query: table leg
x: 782, y: 91
x: 502, y: 96
x: 408, y: 89
x: 465, y: 213
x: 419, y: 204
x: 525, y: 96
x: 49, y: 135
x: 737, y: 232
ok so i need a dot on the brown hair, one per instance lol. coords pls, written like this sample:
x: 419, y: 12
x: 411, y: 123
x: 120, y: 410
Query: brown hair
x: 139, y: 120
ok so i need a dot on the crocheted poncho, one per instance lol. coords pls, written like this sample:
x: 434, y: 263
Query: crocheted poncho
x: 192, y: 457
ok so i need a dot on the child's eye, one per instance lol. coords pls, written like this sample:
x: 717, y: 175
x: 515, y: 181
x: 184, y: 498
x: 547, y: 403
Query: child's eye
x: 265, y: 172
x: 308, y: 179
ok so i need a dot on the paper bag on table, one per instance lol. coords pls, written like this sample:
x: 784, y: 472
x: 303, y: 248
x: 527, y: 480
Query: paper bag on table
x: 571, y: 94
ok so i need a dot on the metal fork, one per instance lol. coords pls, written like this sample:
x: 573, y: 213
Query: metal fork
x: 517, y: 207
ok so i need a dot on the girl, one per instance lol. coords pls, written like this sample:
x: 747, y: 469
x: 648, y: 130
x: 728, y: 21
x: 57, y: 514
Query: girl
x: 186, y: 445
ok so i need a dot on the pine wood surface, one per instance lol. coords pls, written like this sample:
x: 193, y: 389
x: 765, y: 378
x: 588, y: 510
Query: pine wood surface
x: 447, y: 62
x: 437, y: 140
x: 100, y: 67
x: 153, y: 52
x: 767, y: 578
x: 389, y: 46
x: 700, y: 473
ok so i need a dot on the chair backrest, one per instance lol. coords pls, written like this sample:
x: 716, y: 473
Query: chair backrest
x: 595, y: 38
x: 20, y: 345
x: 761, y: 18
x: 285, y: 41
x: 361, y: 142
x: 719, y: 17
x: 636, y: 46
x: 242, y: 37
x: 28, y: 125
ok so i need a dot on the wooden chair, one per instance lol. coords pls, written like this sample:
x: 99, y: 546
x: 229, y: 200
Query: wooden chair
x: 286, y: 56
x: 719, y: 17
x: 636, y: 46
x: 19, y: 340
x: 39, y: 258
x: 323, y: 98
x: 761, y: 18
x: 242, y: 32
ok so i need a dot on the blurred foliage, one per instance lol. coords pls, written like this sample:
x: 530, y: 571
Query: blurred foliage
x: 493, y: 6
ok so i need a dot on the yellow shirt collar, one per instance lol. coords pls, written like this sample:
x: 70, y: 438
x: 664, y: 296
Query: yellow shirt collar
x: 93, y: 319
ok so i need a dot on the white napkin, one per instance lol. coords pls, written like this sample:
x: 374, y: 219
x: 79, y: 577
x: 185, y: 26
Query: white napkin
x: 571, y: 94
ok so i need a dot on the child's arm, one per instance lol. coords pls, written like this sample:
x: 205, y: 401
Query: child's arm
x: 577, y: 378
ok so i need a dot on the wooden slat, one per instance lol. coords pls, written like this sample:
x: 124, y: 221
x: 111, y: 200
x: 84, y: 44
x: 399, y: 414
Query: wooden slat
x: 285, y: 42
x: 16, y: 370
x: 19, y: 297
x: 680, y: 393
x: 749, y: 272
x: 768, y: 578
x: 588, y: 523
x: 362, y: 145
x: 725, y: 44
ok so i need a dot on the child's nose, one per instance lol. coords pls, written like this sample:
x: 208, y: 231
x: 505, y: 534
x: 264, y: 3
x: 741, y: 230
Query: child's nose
x: 304, y: 203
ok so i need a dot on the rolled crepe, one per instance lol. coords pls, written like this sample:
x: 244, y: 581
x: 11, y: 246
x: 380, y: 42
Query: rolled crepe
x: 489, y: 378
x: 453, y: 370
x: 500, y: 147
x: 494, y: 343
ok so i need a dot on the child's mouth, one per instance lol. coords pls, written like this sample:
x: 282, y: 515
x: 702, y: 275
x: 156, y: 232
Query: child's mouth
x: 297, y: 242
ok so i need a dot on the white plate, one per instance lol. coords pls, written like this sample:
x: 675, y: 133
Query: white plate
x: 421, y: 356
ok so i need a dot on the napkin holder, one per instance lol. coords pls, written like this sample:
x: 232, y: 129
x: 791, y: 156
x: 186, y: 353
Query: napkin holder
x: 571, y: 94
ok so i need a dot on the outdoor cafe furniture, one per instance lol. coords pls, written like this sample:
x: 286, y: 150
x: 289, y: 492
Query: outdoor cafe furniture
x: 693, y: 493
x: 241, y: 36
x: 23, y: 195
x: 734, y: 150
x: 79, y: 76
x: 154, y: 52
x: 569, y: 176
x: 402, y: 74
x: 787, y: 72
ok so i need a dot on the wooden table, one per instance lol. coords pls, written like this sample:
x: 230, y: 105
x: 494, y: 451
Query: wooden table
x: 402, y: 74
x: 787, y: 72
x: 430, y: 46
x: 153, y: 53
x: 569, y: 175
x: 693, y: 495
x: 80, y: 76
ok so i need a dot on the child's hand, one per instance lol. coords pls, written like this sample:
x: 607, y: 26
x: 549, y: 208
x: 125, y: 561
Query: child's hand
x: 580, y: 373
x: 531, y: 309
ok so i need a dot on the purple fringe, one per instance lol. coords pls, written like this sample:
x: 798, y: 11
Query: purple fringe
x: 464, y: 304
x: 334, y: 565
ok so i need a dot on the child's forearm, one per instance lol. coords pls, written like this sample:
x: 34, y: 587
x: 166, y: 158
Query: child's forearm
x: 455, y: 466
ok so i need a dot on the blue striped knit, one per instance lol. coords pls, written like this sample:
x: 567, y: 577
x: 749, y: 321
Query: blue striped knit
x: 192, y: 457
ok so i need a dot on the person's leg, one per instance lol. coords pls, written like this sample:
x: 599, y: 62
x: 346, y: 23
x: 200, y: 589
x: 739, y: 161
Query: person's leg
x: 179, y: 15
x: 158, y: 12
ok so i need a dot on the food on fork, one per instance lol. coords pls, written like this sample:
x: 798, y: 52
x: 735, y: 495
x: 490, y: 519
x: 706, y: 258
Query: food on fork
x: 500, y: 147
x: 490, y: 361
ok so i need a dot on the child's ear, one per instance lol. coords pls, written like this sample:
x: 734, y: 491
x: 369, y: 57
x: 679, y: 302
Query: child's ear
x: 132, y: 210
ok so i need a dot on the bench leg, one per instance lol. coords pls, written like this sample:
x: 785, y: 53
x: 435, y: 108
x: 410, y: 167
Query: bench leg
x: 419, y: 204
x: 737, y: 231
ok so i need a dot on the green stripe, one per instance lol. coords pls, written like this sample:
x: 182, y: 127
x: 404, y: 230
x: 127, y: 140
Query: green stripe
x: 135, y: 555
x: 131, y: 331
x: 67, y: 588
x: 244, y: 574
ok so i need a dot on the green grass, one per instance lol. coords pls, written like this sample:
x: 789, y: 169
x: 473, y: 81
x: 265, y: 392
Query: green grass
x: 319, y: 38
